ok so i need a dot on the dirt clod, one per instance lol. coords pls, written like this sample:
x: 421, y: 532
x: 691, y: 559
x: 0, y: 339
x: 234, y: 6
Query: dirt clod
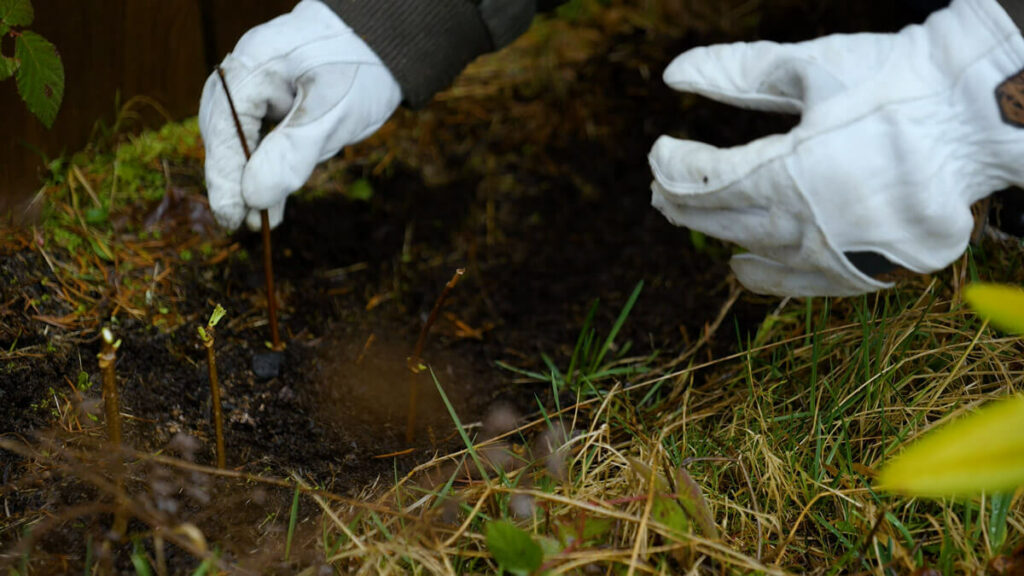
x: 267, y: 364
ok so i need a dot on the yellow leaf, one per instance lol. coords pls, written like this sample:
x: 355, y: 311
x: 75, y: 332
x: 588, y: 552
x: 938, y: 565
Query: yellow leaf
x: 980, y: 452
x: 1002, y: 305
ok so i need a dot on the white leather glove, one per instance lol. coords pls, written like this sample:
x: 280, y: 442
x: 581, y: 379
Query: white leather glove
x: 314, y: 74
x: 899, y: 135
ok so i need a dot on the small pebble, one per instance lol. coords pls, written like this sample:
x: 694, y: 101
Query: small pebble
x: 267, y: 364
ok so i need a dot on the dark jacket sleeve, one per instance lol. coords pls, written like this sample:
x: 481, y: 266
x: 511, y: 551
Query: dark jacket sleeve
x: 1015, y: 8
x: 426, y: 44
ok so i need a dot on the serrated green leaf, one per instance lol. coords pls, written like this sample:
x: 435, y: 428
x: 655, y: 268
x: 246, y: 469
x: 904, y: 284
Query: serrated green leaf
x: 16, y: 12
x: 8, y: 66
x: 980, y: 452
x: 40, y: 75
x: 1002, y: 305
x: 513, y: 548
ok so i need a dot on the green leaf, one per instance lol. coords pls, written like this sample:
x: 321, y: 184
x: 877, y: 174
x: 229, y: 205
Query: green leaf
x: 139, y: 560
x: 216, y: 315
x: 980, y: 452
x: 360, y: 190
x: 513, y: 548
x: 95, y: 216
x: 667, y: 511
x: 16, y: 12
x: 997, y: 519
x: 699, y: 241
x: 83, y: 381
x: 1002, y: 305
x: 645, y: 472
x: 549, y: 546
x: 690, y: 498
x: 40, y: 75
x: 8, y: 66
x: 576, y: 532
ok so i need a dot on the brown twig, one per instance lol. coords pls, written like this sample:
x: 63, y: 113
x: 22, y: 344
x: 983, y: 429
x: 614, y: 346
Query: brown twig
x: 268, y: 263
x: 268, y: 273
x: 414, y: 362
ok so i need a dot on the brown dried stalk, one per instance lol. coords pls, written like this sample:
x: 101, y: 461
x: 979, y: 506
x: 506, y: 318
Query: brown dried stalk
x: 268, y: 263
x: 415, y: 362
x: 112, y: 408
x: 111, y: 404
x: 206, y: 336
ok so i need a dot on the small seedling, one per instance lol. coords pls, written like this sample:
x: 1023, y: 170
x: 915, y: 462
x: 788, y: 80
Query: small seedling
x: 112, y: 408
x: 415, y: 362
x: 268, y: 263
x: 206, y: 336
x: 111, y: 405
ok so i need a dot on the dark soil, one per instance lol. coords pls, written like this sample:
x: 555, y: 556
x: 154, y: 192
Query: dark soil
x: 542, y: 232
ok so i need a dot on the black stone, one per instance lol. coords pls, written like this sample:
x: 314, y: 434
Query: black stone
x: 267, y: 364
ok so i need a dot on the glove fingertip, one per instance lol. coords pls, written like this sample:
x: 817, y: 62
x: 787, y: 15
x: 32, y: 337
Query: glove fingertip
x: 229, y: 220
x: 277, y: 168
x: 253, y: 221
x: 275, y: 215
x: 680, y: 71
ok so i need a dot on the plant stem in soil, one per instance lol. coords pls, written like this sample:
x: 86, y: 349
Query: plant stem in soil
x: 218, y: 416
x: 206, y: 336
x: 268, y: 264
x: 415, y: 361
x: 268, y: 272
x: 111, y: 404
x: 112, y: 409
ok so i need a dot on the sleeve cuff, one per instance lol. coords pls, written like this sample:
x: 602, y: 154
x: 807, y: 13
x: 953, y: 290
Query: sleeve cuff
x: 1015, y: 9
x: 425, y: 45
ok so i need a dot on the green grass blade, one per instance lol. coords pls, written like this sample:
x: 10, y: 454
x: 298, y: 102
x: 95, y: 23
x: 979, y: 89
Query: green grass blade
x: 579, y: 350
x: 462, y: 430
x: 997, y: 520
x: 139, y: 561
x: 618, y: 325
x: 293, y: 518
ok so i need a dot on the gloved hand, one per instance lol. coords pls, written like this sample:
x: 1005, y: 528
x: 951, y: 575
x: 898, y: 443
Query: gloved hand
x: 899, y: 135
x: 314, y: 74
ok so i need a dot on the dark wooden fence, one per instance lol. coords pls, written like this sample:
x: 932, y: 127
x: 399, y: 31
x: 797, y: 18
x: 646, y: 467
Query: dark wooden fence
x: 114, y: 50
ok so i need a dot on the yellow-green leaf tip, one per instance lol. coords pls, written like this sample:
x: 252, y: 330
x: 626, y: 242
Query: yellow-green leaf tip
x: 980, y: 452
x: 1002, y: 305
x: 217, y: 314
